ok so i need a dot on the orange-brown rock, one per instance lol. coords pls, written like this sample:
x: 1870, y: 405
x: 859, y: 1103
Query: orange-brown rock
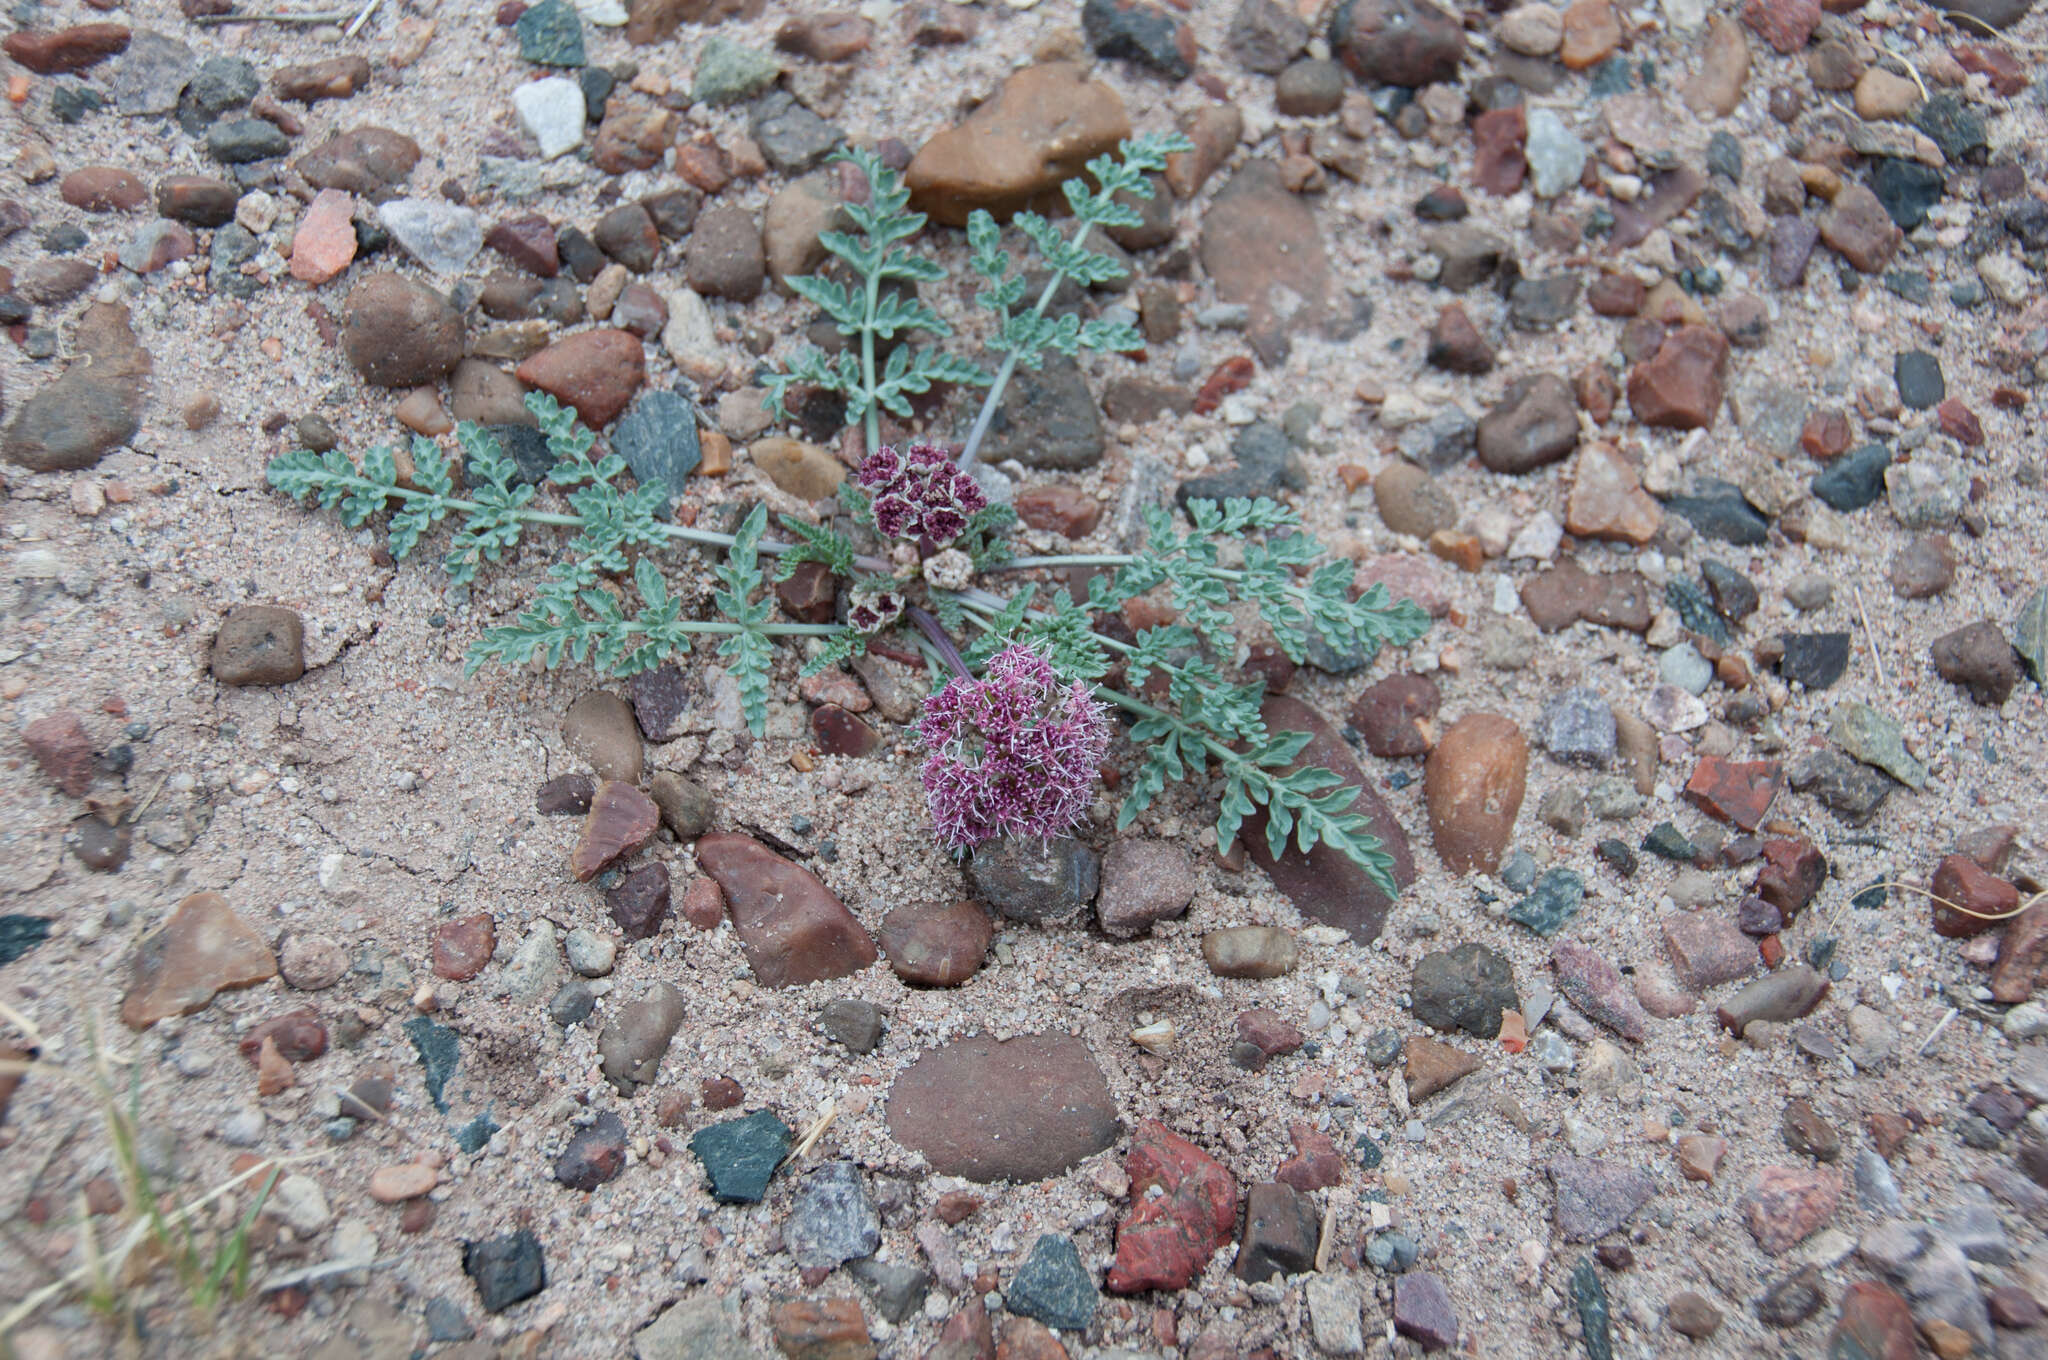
x: 1473, y: 783
x: 1014, y: 151
x: 203, y: 949
x: 1608, y: 500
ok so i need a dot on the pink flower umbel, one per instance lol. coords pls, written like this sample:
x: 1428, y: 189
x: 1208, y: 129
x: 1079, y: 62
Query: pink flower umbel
x: 919, y: 494
x: 1014, y: 753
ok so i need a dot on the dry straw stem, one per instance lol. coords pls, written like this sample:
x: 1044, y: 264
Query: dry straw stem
x: 1958, y: 908
x: 1984, y: 30
x: 104, y: 1273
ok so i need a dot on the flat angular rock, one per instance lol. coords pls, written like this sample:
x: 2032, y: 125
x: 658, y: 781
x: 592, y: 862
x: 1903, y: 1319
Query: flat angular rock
x: 1736, y: 792
x: 506, y: 1270
x: 1607, y: 499
x: 204, y: 948
x: 621, y: 820
x: 1167, y: 1237
x: 1280, y: 1233
x: 1325, y: 885
x: 62, y: 51
x: 1707, y: 948
x: 1018, y: 1110
x: 832, y: 1219
x: 63, y: 750
x: 1261, y: 246
x: 658, y: 440
x: 1786, y: 1205
x: 1432, y: 1065
x: 1578, y: 727
x: 791, y: 926
x: 1596, y: 1197
x: 94, y: 406
x: 1596, y: 987
x: 633, y: 1044
x: 1014, y: 150
x: 1785, y: 995
x: 1143, y: 880
x: 1052, y: 1286
x: 1465, y: 988
x: 367, y: 160
x: 1423, y: 1311
x: 1874, y: 739
x: 595, y: 1155
x: 1680, y: 387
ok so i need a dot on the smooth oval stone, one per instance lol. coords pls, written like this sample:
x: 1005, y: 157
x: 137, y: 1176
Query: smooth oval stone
x: 931, y: 944
x: 791, y: 926
x: 632, y: 1045
x: 1249, y: 952
x: 1785, y: 995
x: 1019, y: 1110
x: 600, y: 728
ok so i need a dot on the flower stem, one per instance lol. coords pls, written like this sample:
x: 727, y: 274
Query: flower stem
x: 930, y: 627
x: 867, y: 361
x: 979, y: 432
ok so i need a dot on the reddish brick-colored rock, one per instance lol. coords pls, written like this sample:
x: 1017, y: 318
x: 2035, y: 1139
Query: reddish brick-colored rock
x: 1232, y: 375
x: 1166, y: 1238
x: 1679, y: 388
x: 1393, y: 715
x: 1875, y: 1324
x: 1561, y: 596
x: 103, y: 188
x: 1958, y: 879
x: 936, y: 944
x: 1432, y: 1064
x: 1268, y: 1032
x: 2022, y: 953
x: 62, y: 51
x: 298, y: 1035
x: 1786, y: 1205
x: 1738, y: 792
x: 1316, y: 1163
x: 324, y: 242
x: 1791, y: 873
x: 1591, y: 33
x: 1607, y: 499
x: 1617, y: 295
x: 791, y: 926
x: 1025, y: 1339
x: 1498, y: 163
x: 1059, y: 509
x: 1786, y: 25
x: 841, y: 733
x: 621, y: 820
x: 1827, y: 434
x: 1473, y: 783
x: 704, y: 903
x: 60, y: 745
x: 720, y: 1093
x: 2008, y: 76
x: 595, y: 371
x: 463, y: 946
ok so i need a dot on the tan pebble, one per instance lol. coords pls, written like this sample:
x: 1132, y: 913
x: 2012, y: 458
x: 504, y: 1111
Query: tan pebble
x: 394, y: 1184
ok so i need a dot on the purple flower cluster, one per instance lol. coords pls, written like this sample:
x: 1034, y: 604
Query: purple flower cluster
x: 870, y: 609
x: 1014, y: 753
x: 919, y: 494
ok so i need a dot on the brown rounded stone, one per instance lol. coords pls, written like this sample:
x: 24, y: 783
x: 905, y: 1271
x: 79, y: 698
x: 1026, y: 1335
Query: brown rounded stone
x: 1020, y: 1109
x: 65, y: 50
x: 792, y: 928
x: 103, y: 188
x: 934, y: 944
x: 463, y: 946
x: 1473, y: 783
x: 400, y: 333
x: 259, y: 644
x: 1607, y: 499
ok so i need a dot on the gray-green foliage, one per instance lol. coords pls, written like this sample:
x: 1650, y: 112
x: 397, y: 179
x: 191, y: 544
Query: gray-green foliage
x: 605, y: 598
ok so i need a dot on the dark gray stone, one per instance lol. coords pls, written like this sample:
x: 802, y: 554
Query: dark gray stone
x: 507, y: 1270
x: 1047, y: 420
x: 658, y: 439
x: 1465, y: 988
x: 1053, y: 1287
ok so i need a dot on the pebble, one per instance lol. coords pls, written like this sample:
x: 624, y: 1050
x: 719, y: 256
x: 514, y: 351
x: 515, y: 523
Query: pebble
x: 1924, y: 568
x: 204, y: 948
x: 259, y: 644
x: 791, y: 926
x: 550, y: 34
x: 1789, y: 994
x: 595, y: 1155
x: 1473, y: 783
x: 821, y: 1327
x: 725, y: 258
x: 1858, y: 227
x: 1577, y: 727
x: 407, y: 1180
x: 1465, y: 988
x: 1039, y: 129
x: 311, y: 963
x: 1021, y: 1109
x: 854, y: 1023
x: 1143, y: 881
x: 1715, y: 88
x: 1265, y: 35
x: 832, y: 1219
x: 1556, y: 158
x: 1032, y: 880
x: 64, y: 51
x: 1280, y: 1233
x: 621, y: 820
x: 638, y: 904
x: 1596, y: 987
x: 1534, y: 424
x: 1594, y: 1197
x: 1432, y: 1065
x: 1263, y: 249
x: 633, y: 1044
x: 572, y: 1003
x: 1183, y: 1208
x: 92, y: 407
x: 1052, y: 1286
x: 508, y: 1269
x: 595, y: 371
x: 1692, y: 1315
x: 552, y: 112
x: 1409, y: 43
x: 399, y: 333
x: 1393, y: 715
x: 1423, y: 1311
x: 1792, y: 1300
x: 1554, y: 899
x: 1249, y: 952
x: 1786, y: 1205
x: 1736, y: 792
x: 1141, y: 32
x: 1680, y: 386
x: 1707, y: 949
x: 936, y: 944
x: 589, y: 953
x: 1871, y: 737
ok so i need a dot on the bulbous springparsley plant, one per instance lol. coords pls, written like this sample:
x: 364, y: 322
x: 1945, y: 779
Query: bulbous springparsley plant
x: 1013, y: 753
x: 1017, y: 730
